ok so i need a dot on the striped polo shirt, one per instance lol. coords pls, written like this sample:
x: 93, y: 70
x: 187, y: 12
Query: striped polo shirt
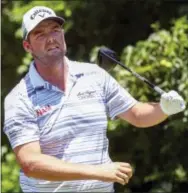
x: 69, y: 125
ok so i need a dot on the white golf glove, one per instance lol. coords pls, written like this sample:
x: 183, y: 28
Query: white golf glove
x: 172, y: 103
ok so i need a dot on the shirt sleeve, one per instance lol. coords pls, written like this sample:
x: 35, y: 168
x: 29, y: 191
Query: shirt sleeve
x: 118, y: 100
x: 20, y: 124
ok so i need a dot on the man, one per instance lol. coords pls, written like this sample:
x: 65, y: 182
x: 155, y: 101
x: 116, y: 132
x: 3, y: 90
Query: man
x: 56, y: 117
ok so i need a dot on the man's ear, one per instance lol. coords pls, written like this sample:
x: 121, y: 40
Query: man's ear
x: 27, y: 46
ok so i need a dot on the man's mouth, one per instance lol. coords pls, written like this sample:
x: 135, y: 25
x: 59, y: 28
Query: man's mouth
x: 53, y: 48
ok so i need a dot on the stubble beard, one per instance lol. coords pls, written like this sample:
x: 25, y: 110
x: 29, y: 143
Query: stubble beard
x: 51, y: 59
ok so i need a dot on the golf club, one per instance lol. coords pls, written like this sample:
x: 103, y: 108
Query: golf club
x: 107, y: 59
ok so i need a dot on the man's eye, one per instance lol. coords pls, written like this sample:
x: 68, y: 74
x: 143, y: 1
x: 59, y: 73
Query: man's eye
x: 40, y: 35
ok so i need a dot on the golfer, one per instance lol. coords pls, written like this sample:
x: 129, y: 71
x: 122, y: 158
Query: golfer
x: 56, y: 116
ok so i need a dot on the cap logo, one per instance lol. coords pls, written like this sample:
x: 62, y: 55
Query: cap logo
x: 41, y: 14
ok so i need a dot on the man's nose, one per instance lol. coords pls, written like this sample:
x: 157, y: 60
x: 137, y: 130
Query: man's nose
x: 51, y: 37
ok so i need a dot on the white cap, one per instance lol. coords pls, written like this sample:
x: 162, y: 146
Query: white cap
x: 36, y: 15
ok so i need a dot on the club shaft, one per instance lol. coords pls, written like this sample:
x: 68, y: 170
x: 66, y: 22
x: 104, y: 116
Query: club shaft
x: 156, y: 88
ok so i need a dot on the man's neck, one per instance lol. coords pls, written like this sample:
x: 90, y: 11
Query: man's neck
x: 56, y: 74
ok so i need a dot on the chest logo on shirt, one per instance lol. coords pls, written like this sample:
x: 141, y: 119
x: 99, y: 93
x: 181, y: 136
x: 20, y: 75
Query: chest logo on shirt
x: 86, y: 94
x: 43, y: 110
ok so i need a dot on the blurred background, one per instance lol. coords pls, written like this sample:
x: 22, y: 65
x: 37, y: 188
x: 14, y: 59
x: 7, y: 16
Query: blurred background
x: 151, y: 37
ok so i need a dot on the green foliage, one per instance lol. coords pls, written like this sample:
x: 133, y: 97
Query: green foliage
x: 161, y: 58
x: 10, y: 172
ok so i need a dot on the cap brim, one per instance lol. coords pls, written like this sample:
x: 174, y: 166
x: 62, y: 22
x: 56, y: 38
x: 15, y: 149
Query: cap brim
x: 60, y: 20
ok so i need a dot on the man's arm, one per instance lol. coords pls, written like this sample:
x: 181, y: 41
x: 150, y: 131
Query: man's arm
x: 37, y: 165
x: 150, y: 114
x: 144, y: 114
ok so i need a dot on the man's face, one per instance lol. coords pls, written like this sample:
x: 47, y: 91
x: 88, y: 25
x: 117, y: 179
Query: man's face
x: 46, y: 41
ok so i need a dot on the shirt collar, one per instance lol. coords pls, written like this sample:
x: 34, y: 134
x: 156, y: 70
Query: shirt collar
x: 38, y: 81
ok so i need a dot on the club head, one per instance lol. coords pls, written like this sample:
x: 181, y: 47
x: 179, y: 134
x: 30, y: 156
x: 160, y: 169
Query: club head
x: 104, y: 58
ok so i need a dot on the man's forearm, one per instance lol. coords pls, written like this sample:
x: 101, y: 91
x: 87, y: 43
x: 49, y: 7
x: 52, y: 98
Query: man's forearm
x: 49, y: 168
x: 46, y: 167
x: 149, y: 114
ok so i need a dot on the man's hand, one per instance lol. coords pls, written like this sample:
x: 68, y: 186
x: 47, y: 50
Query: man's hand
x: 172, y: 103
x: 119, y: 172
